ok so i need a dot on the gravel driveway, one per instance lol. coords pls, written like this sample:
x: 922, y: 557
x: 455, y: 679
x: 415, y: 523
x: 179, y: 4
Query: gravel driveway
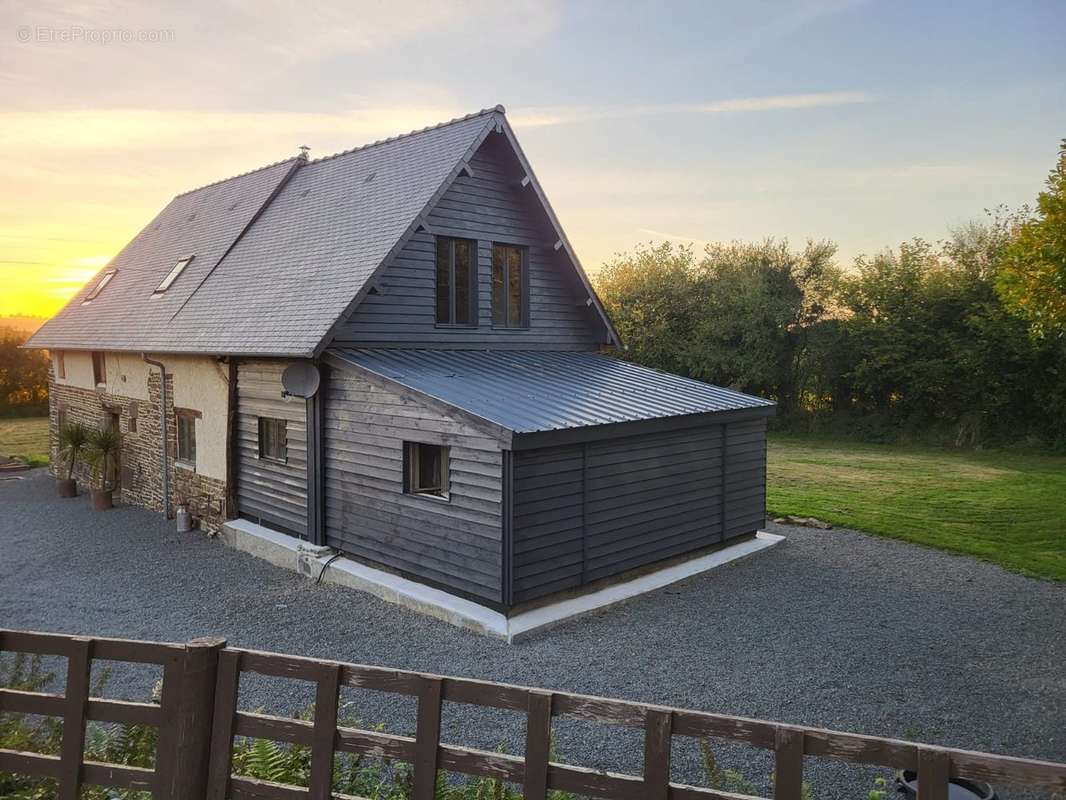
x: 834, y: 629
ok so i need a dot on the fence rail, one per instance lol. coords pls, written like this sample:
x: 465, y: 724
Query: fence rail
x: 198, y: 720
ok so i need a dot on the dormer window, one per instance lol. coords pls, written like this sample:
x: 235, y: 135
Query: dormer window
x: 172, y: 275
x: 105, y: 279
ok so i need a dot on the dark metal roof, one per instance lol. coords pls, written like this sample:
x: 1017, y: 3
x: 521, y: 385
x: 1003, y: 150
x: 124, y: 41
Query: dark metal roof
x: 535, y: 391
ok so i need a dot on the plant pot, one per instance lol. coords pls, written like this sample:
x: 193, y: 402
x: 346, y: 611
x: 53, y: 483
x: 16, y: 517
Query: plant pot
x: 102, y: 499
x: 67, y: 487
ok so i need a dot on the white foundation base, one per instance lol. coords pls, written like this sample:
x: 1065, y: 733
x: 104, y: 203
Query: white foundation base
x: 287, y: 551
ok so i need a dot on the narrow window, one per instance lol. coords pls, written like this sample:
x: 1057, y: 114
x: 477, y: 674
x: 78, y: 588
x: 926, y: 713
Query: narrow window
x: 172, y: 275
x: 456, y: 281
x: 509, y: 280
x: 61, y: 418
x: 186, y: 424
x: 273, y: 439
x: 105, y: 279
x: 61, y: 365
x: 99, y: 369
x: 425, y: 469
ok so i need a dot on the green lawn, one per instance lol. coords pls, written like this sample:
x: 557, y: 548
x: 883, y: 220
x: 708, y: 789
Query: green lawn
x: 1001, y: 507
x: 25, y: 437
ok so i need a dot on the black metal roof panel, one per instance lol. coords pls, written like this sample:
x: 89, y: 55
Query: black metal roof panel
x: 536, y: 391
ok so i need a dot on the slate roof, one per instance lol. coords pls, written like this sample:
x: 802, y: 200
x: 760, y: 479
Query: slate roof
x: 534, y: 391
x: 323, y: 229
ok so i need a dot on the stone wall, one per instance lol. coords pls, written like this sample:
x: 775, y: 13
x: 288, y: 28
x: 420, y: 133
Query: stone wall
x: 140, y: 464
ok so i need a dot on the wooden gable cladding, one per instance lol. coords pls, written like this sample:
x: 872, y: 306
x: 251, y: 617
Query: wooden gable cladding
x: 487, y: 204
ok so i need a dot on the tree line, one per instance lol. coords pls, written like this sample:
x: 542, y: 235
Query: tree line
x: 960, y: 342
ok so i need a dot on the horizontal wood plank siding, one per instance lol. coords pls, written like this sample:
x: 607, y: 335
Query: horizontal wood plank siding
x: 267, y: 491
x: 589, y: 511
x: 745, y: 481
x: 489, y: 206
x: 454, y: 543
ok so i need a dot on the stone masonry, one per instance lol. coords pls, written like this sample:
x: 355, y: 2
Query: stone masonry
x: 140, y: 463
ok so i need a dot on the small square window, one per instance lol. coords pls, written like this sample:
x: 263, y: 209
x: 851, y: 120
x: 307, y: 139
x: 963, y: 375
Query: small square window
x: 172, y: 275
x: 99, y: 369
x: 186, y: 425
x: 273, y: 439
x: 425, y: 469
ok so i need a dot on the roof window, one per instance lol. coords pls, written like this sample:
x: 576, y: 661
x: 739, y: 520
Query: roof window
x: 105, y: 279
x: 172, y: 275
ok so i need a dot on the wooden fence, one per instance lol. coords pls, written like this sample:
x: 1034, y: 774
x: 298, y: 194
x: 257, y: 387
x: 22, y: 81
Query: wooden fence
x: 198, y: 719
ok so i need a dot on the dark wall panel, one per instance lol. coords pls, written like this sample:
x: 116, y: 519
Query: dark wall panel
x: 489, y: 206
x: 590, y: 511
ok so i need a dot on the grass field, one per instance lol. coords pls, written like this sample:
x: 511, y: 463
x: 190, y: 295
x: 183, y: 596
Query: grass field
x: 1001, y: 507
x: 25, y: 437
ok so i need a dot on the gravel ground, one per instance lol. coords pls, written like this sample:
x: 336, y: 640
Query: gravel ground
x: 831, y: 628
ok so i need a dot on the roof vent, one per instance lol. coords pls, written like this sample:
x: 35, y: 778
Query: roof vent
x: 305, y: 192
x: 370, y: 177
x: 305, y: 152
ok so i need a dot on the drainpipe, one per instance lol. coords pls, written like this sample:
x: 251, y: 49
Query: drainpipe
x: 162, y: 427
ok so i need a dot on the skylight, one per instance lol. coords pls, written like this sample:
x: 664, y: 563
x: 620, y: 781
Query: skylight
x: 105, y: 279
x: 172, y: 275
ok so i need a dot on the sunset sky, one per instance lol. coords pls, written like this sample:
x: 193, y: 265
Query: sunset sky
x: 863, y: 122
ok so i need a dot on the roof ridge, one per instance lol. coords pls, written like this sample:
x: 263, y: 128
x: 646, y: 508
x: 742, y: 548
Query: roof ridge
x: 494, y: 110
x: 240, y: 175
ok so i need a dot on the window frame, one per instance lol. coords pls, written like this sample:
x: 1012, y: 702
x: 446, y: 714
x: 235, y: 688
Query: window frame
x: 283, y: 458
x: 472, y: 292
x: 412, y: 457
x: 99, y: 359
x: 175, y: 272
x: 523, y: 321
x: 189, y: 416
x: 101, y: 284
x: 61, y: 365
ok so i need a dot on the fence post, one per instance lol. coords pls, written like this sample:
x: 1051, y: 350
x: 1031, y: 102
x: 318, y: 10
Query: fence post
x: 188, y: 708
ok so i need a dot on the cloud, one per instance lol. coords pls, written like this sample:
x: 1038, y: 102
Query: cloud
x: 567, y: 115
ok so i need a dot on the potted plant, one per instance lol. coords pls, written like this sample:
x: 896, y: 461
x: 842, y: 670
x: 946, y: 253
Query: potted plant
x: 104, y: 445
x: 73, y: 439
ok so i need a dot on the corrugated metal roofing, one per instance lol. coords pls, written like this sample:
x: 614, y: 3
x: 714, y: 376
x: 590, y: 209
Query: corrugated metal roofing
x: 533, y: 391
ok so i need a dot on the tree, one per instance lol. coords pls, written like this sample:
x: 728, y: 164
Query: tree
x: 1032, y: 276
x: 23, y: 376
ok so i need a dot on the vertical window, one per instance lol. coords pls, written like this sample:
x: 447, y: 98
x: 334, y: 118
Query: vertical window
x: 99, y: 369
x: 456, y: 281
x: 186, y: 424
x: 425, y: 468
x: 61, y: 418
x: 509, y: 282
x: 273, y: 439
x: 61, y: 365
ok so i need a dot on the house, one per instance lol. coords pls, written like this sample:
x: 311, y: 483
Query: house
x: 394, y: 352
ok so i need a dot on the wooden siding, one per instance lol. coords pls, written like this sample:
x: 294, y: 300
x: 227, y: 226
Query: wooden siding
x: 455, y: 543
x: 489, y: 206
x: 272, y: 493
x: 589, y: 511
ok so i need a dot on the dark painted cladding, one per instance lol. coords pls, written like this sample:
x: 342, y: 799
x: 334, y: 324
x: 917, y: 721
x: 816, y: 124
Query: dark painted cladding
x: 490, y: 206
x: 269, y: 492
x: 589, y: 511
x: 454, y: 543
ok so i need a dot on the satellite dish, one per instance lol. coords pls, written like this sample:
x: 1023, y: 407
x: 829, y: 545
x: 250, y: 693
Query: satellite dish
x: 300, y: 380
